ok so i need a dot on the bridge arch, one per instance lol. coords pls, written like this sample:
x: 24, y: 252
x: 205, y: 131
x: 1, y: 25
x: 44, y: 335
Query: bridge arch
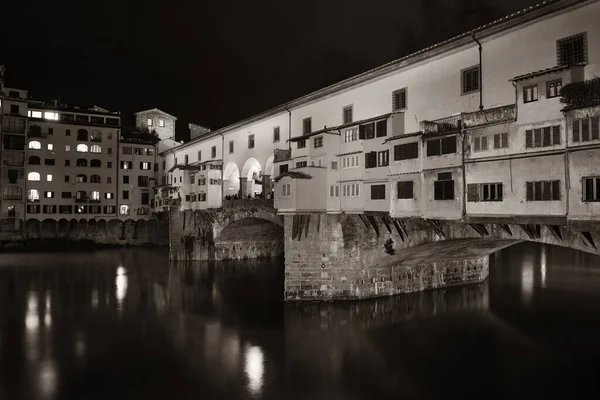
x: 269, y: 167
x: 231, y: 179
x: 259, y: 235
x: 252, y: 171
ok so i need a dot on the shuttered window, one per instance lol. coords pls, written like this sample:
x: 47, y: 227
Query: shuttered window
x: 542, y: 137
x: 405, y: 190
x: 377, y: 192
x: 436, y: 147
x: 543, y: 191
x: 399, y: 99
x: 406, y: 151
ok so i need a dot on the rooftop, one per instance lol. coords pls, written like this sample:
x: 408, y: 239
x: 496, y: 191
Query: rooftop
x: 543, y: 72
x: 155, y: 110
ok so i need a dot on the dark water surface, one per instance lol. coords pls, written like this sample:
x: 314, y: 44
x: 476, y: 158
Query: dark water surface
x: 126, y: 324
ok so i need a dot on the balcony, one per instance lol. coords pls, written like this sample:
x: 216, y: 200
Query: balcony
x: 14, y: 158
x: 441, y: 126
x: 581, y: 94
x: 81, y: 200
x: 491, y: 116
x: 282, y: 155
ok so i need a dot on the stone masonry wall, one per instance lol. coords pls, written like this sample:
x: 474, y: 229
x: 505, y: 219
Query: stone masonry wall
x: 340, y: 256
x: 101, y: 231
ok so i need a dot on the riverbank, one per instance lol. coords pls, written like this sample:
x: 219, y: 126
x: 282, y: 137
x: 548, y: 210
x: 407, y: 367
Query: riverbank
x: 53, y: 245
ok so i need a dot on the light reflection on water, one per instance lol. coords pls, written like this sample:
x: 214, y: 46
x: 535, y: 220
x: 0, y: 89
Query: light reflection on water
x: 206, y: 330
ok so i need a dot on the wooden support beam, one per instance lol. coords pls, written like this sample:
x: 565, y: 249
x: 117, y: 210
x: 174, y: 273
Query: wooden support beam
x: 506, y: 228
x: 555, y: 230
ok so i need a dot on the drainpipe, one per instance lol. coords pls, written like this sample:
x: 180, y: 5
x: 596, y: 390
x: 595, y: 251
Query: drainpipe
x: 463, y: 134
x: 516, y: 100
x: 289, y: 127
x: 567, y: 175
x: 222, y: 166
x: 480, y: 74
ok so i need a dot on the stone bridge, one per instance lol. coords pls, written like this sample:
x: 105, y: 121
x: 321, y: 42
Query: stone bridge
x: 248, y: 228
x: 346, y: 256
x: 355, y: 256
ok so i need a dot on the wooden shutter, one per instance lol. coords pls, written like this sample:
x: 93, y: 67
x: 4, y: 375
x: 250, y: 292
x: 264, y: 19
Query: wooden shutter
x: 472, y: 192
x: 528, y: 138
x: 477, y: 144
x: 361, y: 131
x: 484, y: 143
x: 397, y: 153
x: 556, y: 134
x: 555, y: 190
x: 505, y: 140
x: 595, y: 128
x: 497, y: 141
x: 529, y: 195
x: 547, y: 190
x: 537, y: 137
x: 576, y: 130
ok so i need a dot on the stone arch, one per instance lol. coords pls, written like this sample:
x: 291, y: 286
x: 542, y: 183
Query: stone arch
x: 129, y: 229
x: 73, y: 228
x: 83, y: 228
x: 101, y: 228
x: 113, y: 229
x: 92, y: 228
x: 141, y: 228
x: 231, y: 179
x: 252, y: 171
x: 270, y: 167
x: 32, y: 227
x: 49, y: 227
x: 62, y: 227
x: 254, y: 236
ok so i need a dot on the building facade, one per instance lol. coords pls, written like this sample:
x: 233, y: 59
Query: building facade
x: 471, y: 127
x: 71, y: 162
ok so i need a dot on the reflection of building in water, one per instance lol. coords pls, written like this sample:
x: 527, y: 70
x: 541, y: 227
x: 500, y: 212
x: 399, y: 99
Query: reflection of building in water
x: 527, y: 279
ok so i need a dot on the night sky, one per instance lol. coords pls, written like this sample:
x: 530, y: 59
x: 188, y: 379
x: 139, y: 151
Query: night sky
x: 216, y: 62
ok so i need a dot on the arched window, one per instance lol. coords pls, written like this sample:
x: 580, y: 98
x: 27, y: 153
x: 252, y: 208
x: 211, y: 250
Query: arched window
x: 124, y: 209
x: 82, y: 148
x: 96, y: 136
x: 81, y: 178
x: 81, y: 162
x: 34, y: 160
x: 95, y: 195
x: 35, y: 145
x: 33, y: 195
x: 35, y: 131
x: 95, y: 179
x: 82, y: 134
x: 95, y: 149
x: 33, y: 176
x: 80, y: 195
x: 12, y: 193
x: 95, y: 163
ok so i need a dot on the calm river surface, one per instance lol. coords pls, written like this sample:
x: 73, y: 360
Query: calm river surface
x: 127, y: 324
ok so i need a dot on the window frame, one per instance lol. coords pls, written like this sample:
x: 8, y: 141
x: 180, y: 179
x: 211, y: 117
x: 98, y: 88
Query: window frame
x: 463, y: 82
x: 550, y: 84
x: 537, y: 93
x: 345, y: 110
x: 403, y: 92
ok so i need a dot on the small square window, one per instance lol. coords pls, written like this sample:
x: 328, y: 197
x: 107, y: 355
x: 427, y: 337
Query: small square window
x: 149, y: 122
x: 49, y: 177
x: 470, y: 79
x: 161, y: 123
x: 347, y: 115
x: 68, y: 132
x: 50, y: 146
x: 530, y: 93
x: 276, y: 134
x: 399, y: 99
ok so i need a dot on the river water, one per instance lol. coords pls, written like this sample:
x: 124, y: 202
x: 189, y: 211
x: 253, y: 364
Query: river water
x: 127, y: 324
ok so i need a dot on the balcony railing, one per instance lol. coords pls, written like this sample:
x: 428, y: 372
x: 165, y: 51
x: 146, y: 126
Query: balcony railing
x: 13, y: 197
x: 14, y: 158
x: 443, y: 125
x: 282, y: 155
x: 581, y: 94
x: 82, y: 200
x: 491, y: 116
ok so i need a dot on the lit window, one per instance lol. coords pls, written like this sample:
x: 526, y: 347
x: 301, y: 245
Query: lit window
x: 51, y: 115
x: 82, y: 148
x: 48, y: 195
x: 161, y: 123
x: 108, y: 195
x: 36, y: 114
x: 124, y: 210
x: 67, y: 148
x: 95, y: 195
x: 50, y: 146
x: 95, y: 149
x: 34, y: 144
x: 33, y: 195
x: 49, y: 177
x: 33, y: 176
x: 149, y: 121
x: 145, y: 165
